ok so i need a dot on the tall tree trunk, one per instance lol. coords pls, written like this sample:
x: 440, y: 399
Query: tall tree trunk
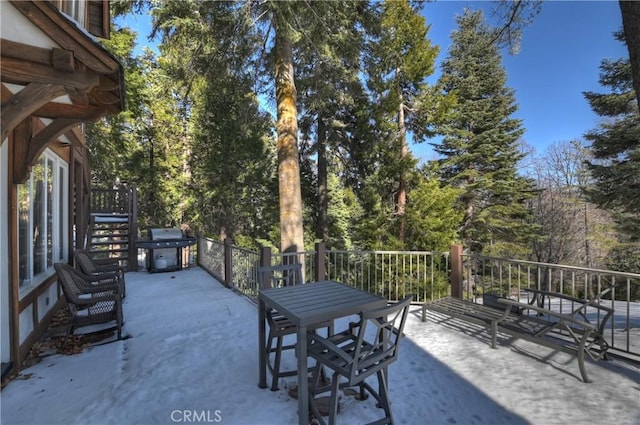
x: 631, y: 25
x: 401, y: 197
x: 323, y: 188
x: 291, y: 231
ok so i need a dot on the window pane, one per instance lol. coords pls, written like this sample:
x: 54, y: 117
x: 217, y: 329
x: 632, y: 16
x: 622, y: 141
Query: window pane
x: 49, y: 201
x: 61, y: 216
x: 24, y: 230
x: 39, y: 218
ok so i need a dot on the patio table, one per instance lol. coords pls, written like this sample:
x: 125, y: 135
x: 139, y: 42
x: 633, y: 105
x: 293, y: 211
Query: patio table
x: 306, y: 305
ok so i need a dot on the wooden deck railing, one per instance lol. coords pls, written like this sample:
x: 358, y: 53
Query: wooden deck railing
x: 111, y: 201
x: 120, y: 203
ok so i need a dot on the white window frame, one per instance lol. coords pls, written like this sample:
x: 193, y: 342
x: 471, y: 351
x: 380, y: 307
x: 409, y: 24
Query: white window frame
x: 59, y: 221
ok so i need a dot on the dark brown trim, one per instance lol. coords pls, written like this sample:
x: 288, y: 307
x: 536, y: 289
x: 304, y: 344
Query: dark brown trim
x: 84, y: 113
x: 6, y: 94
x: 12, y: 199
x: 38, y: 331
x: 18, y: 71
x: 33, y: 295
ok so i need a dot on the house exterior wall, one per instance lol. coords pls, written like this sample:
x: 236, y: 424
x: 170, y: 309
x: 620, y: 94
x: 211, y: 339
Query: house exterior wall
x: 26, y: 306
x: 16, y: 27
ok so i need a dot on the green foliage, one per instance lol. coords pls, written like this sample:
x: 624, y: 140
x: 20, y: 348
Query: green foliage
x: 480, y: 144
x: 400, y: 57
x: 432, y: 216
x: 615, y: 146
x: 110, y: 141
x: 231, y: 151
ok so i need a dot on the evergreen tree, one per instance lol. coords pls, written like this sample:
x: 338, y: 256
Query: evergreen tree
x: 399, y: 60
x: 630, y: 11
x: 137, y: 146
x: 432, y: 216
x: 328, y: 68
x: 480, y: 143
x: 615, y: 146
x: 111, y: 141
x: 209, y: 47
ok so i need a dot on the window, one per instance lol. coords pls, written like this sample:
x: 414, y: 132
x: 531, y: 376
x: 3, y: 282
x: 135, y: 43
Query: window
x: 75, y: 9
x: 42, y: 219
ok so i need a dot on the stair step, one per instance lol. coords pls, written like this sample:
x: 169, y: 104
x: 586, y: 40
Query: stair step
x: 115, y: 250
x: 111, y: 235
x: 110, y: 250
x: 118, y: 241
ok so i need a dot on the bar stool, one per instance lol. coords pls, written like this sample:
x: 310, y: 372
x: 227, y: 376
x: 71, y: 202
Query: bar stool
x: 280, y: 326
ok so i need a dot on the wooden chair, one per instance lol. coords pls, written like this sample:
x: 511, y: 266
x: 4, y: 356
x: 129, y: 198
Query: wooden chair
x: 280, y: 326
x: 98, y: 266
x: 350, y: 356
x: 91, y: 299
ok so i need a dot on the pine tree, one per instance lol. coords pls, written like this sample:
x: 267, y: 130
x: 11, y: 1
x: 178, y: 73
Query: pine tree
x: 480, y: 143
x: 327, y: 74
x: 399, y: 60
x: 615, y: 146
x: 209, y: 47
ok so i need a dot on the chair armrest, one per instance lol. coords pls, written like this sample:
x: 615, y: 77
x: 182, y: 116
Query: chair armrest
x: 107, y: 261
x: 100, y: 288
x: 314, y: 338
x: 102, y: 277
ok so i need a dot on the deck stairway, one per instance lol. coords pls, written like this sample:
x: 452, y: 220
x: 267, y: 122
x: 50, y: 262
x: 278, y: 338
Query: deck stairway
x: 113, y: 226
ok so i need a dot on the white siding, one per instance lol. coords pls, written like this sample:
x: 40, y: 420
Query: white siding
x: 47, y: 300
x: 26, y: 323
x: 15, y: 26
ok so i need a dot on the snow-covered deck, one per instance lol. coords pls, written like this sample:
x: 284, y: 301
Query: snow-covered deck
x: 192, y: 357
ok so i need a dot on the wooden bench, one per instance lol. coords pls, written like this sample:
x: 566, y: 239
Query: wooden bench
x: 569, y: 330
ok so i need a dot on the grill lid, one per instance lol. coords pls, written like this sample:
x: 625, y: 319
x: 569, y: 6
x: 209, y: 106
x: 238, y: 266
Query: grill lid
x: 166, y: 233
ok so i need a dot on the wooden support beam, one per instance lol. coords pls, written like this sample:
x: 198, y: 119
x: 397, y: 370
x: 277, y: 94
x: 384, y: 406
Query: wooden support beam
x: 18, y: 71
x: 6, y: 94
x: 21, y: 137
x: 63, y: 110
x: 37, y: 144
x: 104, y: 97
x: 78, y: 97
x: 62, y: 60
x: 73, y: 137
x: 15, y: 50
x: 107, y: 83
x: 22, y: 104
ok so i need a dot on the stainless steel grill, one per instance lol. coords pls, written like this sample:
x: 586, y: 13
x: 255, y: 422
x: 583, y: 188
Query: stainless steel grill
x: 165, y: 258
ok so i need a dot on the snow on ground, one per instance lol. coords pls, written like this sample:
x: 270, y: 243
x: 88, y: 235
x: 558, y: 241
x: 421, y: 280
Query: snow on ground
x: 192, y: 358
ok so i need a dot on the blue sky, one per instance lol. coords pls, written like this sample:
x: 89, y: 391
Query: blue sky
x: 559, y: 58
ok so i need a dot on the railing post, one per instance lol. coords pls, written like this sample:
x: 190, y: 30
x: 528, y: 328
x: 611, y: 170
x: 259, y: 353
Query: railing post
x: 132, y: 262
x: 265, y: 261
x: 228, y: 263
x: 320, y: 266
x: 199, y: 254
x: 456, y: 271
